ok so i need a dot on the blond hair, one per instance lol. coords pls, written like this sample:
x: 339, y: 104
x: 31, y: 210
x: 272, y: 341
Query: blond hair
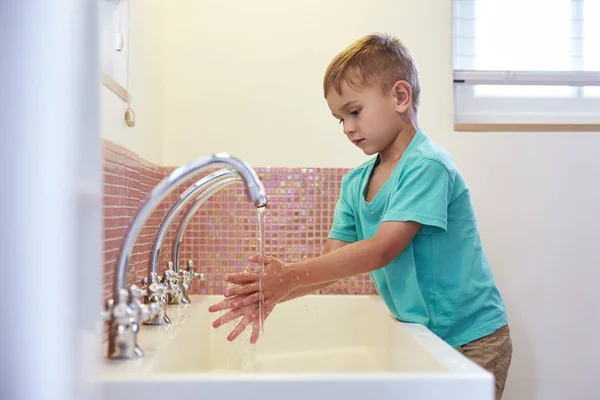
x: 373, y: 59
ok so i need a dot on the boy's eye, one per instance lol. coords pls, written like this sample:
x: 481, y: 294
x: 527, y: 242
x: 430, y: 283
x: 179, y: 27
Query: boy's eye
x: 353, y: 113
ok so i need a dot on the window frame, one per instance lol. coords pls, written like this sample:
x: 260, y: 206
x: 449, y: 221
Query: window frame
x: 573, y: 110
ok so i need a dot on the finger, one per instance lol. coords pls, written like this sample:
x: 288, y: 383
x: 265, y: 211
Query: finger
x: 256, y: 258
x: 239, y: 328
x: 226, y: 304
x: 267, y: 307
x: 254, y: 319
x: 246, y: 301
x: 255, y: 332
x: 243, y: 289
x: 230, y: 316
x: 242, y: 277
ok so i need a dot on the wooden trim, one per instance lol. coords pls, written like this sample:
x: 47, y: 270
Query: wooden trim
x: 527, y: 127
x: 114, y: 87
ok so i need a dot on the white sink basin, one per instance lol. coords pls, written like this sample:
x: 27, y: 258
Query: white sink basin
x: 311, y: 347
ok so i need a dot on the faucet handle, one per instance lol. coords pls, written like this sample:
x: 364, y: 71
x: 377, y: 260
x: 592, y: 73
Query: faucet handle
x: 120, y: 309
x: 153, y: 313
x: 170, y: 279
x: 169, y: 274
x: 135, y: 293
x: 122, y: 318
x: 153, y: 287
x: 187, y: 275
x: 144, y: 311
x: 149, y: 311
x: 185, y: 281
x: 134, y: 296
x: 108, y: 308
x: 194, y: 274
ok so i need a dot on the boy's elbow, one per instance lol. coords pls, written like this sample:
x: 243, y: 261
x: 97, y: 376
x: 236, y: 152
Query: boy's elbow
x: 389, y: 254
x: 391, y: 240
x: 384, y: 252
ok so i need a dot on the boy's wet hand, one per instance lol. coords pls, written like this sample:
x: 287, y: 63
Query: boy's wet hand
x: 247, y: 313
x: 250, y: 313
x: 251, y: 290
x: 242, y: 277
x: 226, y: 304
x: 249, y: 287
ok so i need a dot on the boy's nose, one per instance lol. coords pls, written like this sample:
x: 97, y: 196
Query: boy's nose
x: 349, y: 129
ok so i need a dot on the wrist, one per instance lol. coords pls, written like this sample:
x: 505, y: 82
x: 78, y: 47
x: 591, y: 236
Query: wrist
x: 294, y: 276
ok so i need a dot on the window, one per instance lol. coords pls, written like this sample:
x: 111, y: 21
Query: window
x: 527, y: 62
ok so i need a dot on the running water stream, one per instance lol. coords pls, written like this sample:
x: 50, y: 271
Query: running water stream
x: 261, y: 261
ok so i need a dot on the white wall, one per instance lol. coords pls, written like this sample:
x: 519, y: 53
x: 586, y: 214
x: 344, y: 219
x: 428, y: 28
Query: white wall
x: 245, y: 77
x: 146, y: 81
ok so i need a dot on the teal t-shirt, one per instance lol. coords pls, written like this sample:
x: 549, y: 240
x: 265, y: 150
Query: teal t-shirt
x: 442, y: 279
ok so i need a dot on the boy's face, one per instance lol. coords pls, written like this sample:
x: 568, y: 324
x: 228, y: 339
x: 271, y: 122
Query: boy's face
x: 371, y: 119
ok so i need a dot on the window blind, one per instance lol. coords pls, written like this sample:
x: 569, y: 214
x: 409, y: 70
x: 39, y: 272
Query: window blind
x: 527, y: 61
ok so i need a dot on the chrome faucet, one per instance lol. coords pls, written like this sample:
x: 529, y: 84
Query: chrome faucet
x: 178, y: 281
x: 124, y: 312
x: 173, y: 283
x: 212, y: 188
x: 156, y: 291
x: 186, y: 282
x: 124, y: 320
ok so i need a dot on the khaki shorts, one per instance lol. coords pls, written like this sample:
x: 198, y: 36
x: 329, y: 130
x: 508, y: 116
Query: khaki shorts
x: 493, y: 353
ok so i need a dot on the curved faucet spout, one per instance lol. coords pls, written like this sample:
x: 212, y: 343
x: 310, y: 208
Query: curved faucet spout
x: 186, y: 197
x: 255, y: 191
x: 211, y: 189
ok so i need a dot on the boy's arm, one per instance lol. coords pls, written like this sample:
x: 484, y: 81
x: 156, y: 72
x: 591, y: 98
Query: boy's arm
x: 330, y: 246
x: 356, y: 258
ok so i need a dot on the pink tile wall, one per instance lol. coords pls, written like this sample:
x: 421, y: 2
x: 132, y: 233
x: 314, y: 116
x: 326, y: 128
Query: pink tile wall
x: 127, y: 180
x: 224, y: 232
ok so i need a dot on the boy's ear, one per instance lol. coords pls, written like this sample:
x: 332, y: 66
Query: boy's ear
x: 402, y: 93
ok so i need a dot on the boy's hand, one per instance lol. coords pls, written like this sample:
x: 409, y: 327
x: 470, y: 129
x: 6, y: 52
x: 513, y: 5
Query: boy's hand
x: 269, y: 288
x: 249, y: 314
x: 244, y: 299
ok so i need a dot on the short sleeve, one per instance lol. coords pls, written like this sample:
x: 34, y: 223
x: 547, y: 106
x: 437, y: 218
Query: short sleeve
x: 422, y: 195
x: 344, y: 224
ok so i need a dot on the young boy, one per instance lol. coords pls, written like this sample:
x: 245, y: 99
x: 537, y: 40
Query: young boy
x: 405, y: 216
